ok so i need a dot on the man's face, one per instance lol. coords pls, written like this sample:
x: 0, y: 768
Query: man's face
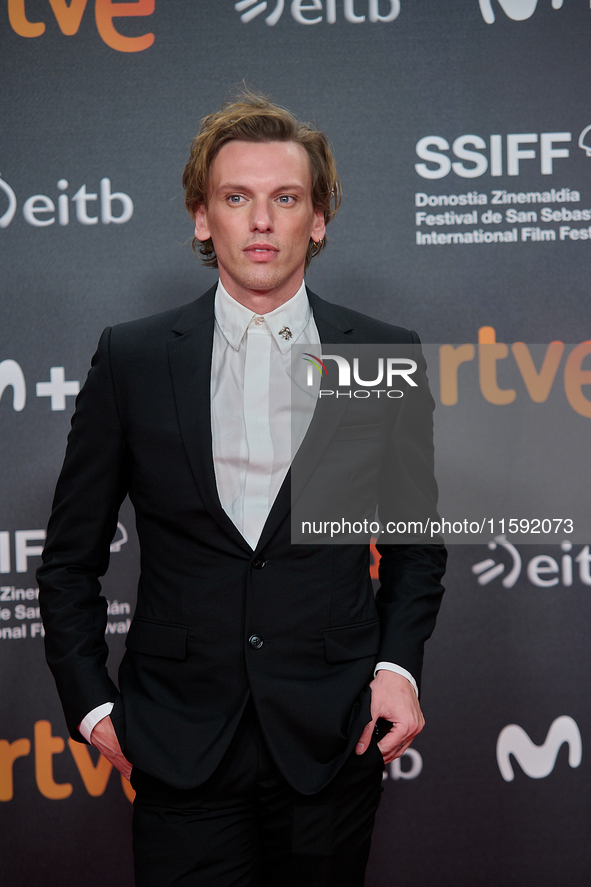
x: 260, y: 218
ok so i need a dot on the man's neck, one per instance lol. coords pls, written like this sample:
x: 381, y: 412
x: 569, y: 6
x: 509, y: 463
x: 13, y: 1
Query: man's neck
x: 260, y: 301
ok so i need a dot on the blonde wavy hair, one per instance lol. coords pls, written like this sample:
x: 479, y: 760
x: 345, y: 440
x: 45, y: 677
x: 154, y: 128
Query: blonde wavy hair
x: 253, y: 117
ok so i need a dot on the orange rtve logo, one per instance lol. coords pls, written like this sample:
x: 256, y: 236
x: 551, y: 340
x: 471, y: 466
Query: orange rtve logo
x: 69, y: 16
x: 45, y: 745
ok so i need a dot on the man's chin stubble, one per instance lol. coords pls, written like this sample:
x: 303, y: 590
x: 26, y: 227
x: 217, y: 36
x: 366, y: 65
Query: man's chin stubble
x: 262, y: 280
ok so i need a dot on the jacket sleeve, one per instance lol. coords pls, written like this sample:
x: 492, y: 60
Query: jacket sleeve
x: 92, y: 484
x: 411, y: 567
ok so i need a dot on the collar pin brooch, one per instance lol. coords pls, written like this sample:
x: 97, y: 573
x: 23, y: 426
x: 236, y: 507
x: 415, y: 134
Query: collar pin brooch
x: 286, y: 333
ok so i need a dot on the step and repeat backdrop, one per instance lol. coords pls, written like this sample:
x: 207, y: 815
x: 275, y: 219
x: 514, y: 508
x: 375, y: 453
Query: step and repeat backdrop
x: 462, y: 130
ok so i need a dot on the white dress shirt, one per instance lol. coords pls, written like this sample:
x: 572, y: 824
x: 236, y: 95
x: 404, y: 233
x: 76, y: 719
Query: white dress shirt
x: 255, y: 430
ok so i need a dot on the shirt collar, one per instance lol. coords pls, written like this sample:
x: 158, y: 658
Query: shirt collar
x: 291, y: 317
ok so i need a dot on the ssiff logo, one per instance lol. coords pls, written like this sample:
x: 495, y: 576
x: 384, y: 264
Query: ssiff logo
x: 585, y: 140
x: 23, y: 551
x: 518, y: 10
x: 537, y: 761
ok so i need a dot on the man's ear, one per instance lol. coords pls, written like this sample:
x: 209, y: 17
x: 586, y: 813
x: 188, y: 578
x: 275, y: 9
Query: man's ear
x: 201, y: 228
x: 319, y: 227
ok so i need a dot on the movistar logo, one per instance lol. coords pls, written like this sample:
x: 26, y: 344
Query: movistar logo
x: 518, y: 10
x: 537, y: 761
x: 11, y: 376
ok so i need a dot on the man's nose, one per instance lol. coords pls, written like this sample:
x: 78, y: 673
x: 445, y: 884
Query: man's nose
x: 261, y: 219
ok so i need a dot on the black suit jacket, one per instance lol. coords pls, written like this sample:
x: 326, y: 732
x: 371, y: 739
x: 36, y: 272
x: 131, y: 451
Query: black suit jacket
x: 142, y: 427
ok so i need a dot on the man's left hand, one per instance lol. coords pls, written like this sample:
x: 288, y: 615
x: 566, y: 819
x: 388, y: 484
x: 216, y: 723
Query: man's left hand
x: 393, y: 698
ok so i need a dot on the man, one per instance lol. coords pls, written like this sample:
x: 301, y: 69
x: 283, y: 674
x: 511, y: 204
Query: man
x: 247, y: 701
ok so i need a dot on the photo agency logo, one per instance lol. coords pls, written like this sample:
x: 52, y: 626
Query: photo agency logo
x: 313, y: 12
x: 87, y: 208
x: 518, y: 10
x: 538, y: 761
x: 389, y: 370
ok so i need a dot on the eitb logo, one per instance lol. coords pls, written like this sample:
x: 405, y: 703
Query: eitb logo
x: 313, y: 12
x: 7, y: 216
x: 40, y: 210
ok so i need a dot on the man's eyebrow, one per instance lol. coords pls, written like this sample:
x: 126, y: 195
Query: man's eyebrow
x: 230, y: 186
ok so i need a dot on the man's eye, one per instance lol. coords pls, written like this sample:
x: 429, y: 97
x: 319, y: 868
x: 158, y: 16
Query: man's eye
x: 285, y: 198
x: 234, y: 198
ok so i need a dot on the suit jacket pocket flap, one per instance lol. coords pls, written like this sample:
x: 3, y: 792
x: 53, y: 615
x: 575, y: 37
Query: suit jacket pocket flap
x: 157, y: 638
x: 352, y: 641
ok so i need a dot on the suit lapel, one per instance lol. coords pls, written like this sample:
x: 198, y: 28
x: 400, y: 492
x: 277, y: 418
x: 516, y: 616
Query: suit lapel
x: 334, y: 329
x: 190, y: 366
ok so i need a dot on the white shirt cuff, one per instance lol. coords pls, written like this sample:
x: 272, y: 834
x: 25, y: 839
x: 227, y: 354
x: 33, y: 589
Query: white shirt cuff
x: 389, y: 666
x: 87, y: 724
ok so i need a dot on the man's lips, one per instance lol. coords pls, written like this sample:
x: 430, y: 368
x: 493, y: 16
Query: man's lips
x: 260, y: 250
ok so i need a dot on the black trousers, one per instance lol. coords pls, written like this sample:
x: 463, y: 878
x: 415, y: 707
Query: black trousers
x: 246, y: 827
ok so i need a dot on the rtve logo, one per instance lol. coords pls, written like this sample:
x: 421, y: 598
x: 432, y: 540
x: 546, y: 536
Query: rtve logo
x: 518, y: 10
x: 310, y: 12
x: 45, y: 746
x: 40, y: 211
x: 538, y: 383
x: 69, y: 15
x: 537, y: 761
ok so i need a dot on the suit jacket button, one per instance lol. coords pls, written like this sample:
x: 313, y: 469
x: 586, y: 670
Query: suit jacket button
x: 255, y: 642
x: 259, y: 563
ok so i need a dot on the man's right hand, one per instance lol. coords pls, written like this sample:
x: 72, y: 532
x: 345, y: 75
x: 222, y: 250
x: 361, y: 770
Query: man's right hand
x: 105, y: 739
